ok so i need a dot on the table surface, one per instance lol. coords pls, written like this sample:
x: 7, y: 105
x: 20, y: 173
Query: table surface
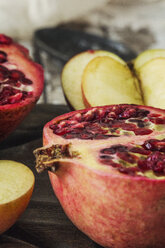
x: 44, y: 223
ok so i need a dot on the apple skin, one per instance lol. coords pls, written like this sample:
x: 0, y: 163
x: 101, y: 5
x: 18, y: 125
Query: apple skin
x: 11, y: 211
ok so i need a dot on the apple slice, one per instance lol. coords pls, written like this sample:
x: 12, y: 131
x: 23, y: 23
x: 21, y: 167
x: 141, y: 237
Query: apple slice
x: 106, y: 81
x: 72, y: 74
x: 147, y: 56
x: 16, y: 186
x: 152, y: 78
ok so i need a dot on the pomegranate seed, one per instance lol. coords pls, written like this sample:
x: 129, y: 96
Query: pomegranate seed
x: 117, y: 109
x: 3, y: 57
x: 140, y: 123
x: 30, y: 93
x: 108, y: 122
x: 140, y: 151
x: 61, y: 131
x: 154, y: 145
x: 128, y: 113
x: 77, y: 117
x: 5, y: 40
x: 4, y: 73
x: 11, y: 82
x: 130, y: 158
x: 157, y: 120
x: 89, y: 115
x: 26, y: 81
x: 101, y: 136
x: 142, y: 164
x: 154, y: 156
x: 101, y: 113
x: 113, y: 149
x: 150, y: 144
x: 107, y: 157
x: 142, y: 113
x: 128, y: 127
x: 86, y: 136
x: 142, y: 131
x: 115, y: 165
x: 53, y: 126
x: 112, y: 115
x: 70, y: 136
x: 159, y: 167
x: 153, y: 115
x: 78, y: 125
x: 16, y: 75
x: 16, y: 98
x: 17, y: 84
x: 130, y: 171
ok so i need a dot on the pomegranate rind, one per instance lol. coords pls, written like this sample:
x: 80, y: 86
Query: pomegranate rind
x: 113, y: 209
x: 11, y: 115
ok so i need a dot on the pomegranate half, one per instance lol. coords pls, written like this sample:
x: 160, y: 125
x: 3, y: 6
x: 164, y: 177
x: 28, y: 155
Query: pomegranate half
x: 21, y: 84
x: 107, y: 168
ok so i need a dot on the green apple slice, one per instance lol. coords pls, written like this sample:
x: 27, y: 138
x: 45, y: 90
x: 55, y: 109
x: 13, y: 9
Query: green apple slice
x: 72, y: 74
x: 152, y: 78
x: 107, y: 81
x: 147, y: 56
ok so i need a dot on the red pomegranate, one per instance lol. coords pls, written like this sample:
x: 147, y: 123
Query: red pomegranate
x: 107, y: 168
x: 21, y: 84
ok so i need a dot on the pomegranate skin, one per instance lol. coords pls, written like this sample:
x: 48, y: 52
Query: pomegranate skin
x: 115, y: 210
x: 12, y: 114
x: 10, y: 118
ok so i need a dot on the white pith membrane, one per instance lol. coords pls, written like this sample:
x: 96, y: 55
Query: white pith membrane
x: 88, y: 151
x: 15, y: 180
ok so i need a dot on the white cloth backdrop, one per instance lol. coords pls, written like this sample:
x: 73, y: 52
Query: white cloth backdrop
x: 19, y: 18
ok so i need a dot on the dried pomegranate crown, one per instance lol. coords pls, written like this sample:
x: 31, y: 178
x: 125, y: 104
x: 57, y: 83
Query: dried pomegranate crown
x: 122, y: 138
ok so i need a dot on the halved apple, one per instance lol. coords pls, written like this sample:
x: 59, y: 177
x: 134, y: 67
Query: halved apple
x: 152, y: 78
x: 107, y: 81
x: 146, y: 56
x: 16, y: 187
x: 72, y: 75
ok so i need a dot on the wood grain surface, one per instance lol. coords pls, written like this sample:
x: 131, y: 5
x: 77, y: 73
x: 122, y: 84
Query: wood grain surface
x: 44, y: 223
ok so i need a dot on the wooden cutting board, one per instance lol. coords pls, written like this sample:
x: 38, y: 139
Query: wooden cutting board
x: 44, y: 223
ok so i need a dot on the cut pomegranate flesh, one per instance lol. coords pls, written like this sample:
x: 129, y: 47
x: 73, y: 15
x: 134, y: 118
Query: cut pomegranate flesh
x: 21, y: 84
x: 108, y: 122
x: 153, y: 157
x: 129, y: 133
x: 12, y: 83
